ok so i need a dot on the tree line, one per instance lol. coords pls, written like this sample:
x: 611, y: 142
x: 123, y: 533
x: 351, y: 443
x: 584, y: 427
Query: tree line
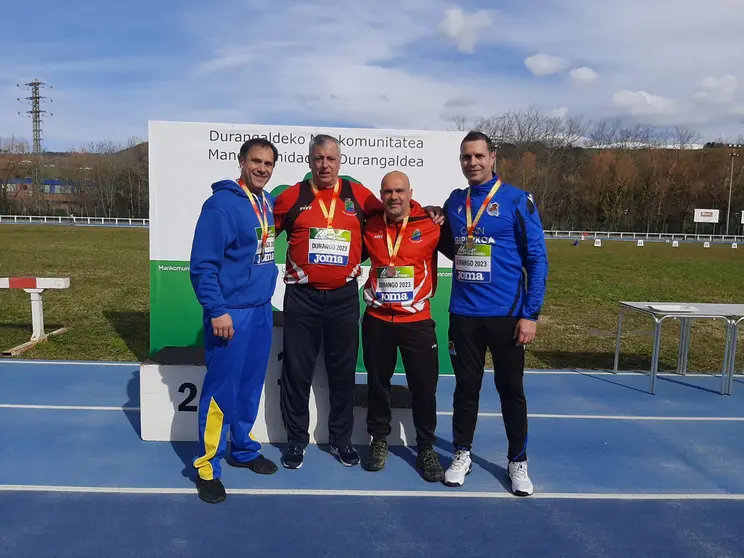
x: 102, y: 179
x: 607, y: 175
x: 611, y: 176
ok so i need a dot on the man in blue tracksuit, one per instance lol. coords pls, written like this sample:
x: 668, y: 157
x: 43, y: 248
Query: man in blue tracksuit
x: 234, y: 275
x: 495, y: 240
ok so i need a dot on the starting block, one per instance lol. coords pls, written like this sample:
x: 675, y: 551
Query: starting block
x: 597, y: 242
x: 171, y: 383
x: 734, y: 245
x: 35, y: 286
x: 706, y: 244
x: 675, y: 244
x: 640, y: 243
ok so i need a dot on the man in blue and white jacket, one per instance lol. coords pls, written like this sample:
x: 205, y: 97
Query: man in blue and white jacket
x: 234, y: 274
x: 495, y: 240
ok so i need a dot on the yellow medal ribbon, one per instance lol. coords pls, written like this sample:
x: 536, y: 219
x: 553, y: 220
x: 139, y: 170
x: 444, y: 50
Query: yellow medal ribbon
x: 393, y: 251
x: 472, y: 224
x: 328, y: 215
x: 263, y: 219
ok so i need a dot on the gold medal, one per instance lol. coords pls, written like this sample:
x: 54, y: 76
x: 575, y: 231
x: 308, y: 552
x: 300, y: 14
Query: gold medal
x: 470, y: 243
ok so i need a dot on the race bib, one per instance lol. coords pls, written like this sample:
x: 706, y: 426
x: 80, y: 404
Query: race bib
x: 473, y: 265
x: 329, y: 246
x: 394, y: 286
x: 266, y: 255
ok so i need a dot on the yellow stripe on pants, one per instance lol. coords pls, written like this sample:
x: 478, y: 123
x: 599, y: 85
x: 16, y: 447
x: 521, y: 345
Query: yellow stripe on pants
x: 212, y: 433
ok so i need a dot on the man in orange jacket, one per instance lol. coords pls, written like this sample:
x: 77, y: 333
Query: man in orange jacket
x: 402, y: 247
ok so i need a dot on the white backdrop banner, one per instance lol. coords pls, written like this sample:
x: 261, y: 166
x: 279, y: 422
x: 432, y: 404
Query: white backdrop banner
x: 186, y: 158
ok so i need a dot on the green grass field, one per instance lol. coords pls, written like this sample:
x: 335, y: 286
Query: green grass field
x: 107, y: 307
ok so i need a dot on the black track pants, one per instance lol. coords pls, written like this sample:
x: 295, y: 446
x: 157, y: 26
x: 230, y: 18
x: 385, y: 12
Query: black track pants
x: 312, y: 316
x: 469, y: 338
x: 417, y: 342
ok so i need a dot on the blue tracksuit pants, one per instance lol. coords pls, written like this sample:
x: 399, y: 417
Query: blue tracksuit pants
x: 231, y: 392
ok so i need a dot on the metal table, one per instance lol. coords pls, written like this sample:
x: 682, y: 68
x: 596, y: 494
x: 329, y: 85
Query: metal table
x: 732, y: 353
x: 731, y: 314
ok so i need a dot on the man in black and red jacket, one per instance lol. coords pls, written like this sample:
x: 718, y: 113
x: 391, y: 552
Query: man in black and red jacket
x: 402, y: 246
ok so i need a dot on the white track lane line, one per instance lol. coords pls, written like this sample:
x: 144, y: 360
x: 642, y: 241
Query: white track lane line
x: 68, y: 362
x: 66, y: 407
x: 376, y: 493
x: 439, y: 413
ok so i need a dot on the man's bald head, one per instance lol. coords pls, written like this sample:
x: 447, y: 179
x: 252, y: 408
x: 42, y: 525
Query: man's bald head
x: 396, y: 193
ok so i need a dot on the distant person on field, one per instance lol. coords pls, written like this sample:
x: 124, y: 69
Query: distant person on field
x: 234, y: 275
x: 402, y: 247
x: 500, y: 268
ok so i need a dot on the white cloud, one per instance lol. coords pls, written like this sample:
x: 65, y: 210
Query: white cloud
x: 641, y: 103
x: 542, y: 64
x: 718, y: 90
x: 464, y: 29
x: 583, y: 75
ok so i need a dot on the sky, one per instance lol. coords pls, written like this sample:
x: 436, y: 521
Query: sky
x: 110, y: 67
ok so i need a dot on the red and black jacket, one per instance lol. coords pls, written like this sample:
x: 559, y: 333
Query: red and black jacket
x: 407, y: 298
x: 296, y: 212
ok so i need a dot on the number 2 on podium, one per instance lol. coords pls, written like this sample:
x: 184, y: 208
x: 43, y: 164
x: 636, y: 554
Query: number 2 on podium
x: 184, y: 405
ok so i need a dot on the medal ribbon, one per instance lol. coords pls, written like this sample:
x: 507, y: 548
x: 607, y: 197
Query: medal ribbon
x: 393, y: 252
x: 326, y: 214
x: 471, y: 224
x: 263, y: 219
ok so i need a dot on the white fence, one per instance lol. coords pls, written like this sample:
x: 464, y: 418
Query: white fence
x: 58, y: 220
x: 651, y: 237
x: 549, y: 234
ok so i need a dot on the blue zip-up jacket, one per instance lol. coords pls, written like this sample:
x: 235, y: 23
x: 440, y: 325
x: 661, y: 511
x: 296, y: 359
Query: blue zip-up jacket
x: 227, y: 269
x: 510, y: 229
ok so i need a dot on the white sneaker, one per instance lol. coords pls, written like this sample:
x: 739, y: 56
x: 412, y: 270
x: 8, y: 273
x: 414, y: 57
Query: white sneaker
x: 460, y: 467
x: 521, y: 483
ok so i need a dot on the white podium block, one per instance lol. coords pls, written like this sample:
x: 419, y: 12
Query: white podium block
x: 169, y: 398
x: 597, y: 242
x: 640, y: 243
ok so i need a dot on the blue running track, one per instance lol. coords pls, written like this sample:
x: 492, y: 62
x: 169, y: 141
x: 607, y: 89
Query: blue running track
x: 617, y: 472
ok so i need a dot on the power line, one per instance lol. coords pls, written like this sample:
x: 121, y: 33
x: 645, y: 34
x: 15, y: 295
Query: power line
x: 36, y: 112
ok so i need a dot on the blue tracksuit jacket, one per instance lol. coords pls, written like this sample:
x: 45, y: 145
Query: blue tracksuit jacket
x: 489, y: 280
x: 227, y: 270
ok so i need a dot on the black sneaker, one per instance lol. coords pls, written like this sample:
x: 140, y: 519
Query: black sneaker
x: 375, y: 458
x: 346, y: 454
x: 211, y: 491
x: 293, y: 457
x: 259, y: 465
x: 427, y: 462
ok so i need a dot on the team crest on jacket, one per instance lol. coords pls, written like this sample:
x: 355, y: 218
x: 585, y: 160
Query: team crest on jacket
x: 493, y: 209
x: 416, y: 236
x: 349, y: 208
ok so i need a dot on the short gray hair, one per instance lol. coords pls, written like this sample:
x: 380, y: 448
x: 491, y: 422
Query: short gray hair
x: 320, y: 140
